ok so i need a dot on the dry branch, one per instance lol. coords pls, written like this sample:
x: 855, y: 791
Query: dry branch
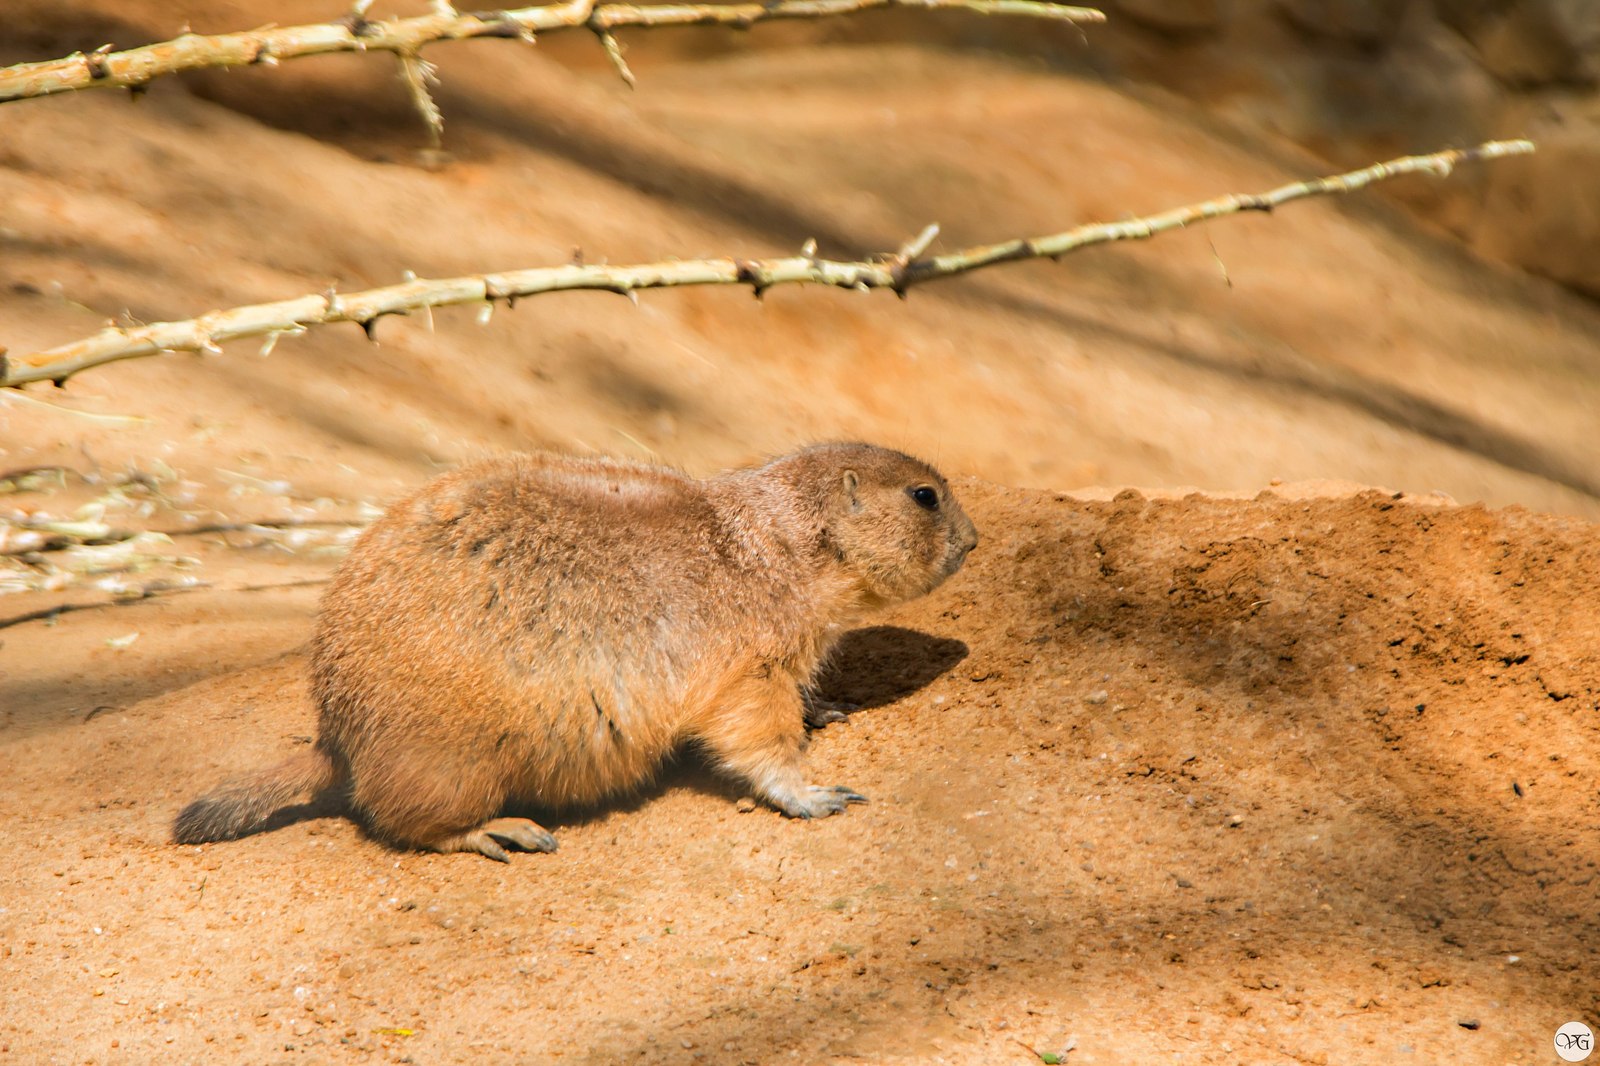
x: 896, y: 271
x: 405, y: 37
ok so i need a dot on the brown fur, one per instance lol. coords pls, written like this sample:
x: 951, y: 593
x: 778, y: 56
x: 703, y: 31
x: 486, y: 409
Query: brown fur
x: 545, y: 630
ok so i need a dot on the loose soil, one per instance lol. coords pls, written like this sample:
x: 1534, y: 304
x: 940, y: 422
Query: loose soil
x: 1161, y: 779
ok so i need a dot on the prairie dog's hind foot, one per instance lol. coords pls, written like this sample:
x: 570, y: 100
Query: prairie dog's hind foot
x: 493, y: 837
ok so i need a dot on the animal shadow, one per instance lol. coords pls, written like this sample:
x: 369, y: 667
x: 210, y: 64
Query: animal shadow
x: 877, y: 665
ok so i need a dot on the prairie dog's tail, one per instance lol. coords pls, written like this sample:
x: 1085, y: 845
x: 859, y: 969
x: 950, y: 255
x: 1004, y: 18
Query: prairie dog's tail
x: 243, y: 804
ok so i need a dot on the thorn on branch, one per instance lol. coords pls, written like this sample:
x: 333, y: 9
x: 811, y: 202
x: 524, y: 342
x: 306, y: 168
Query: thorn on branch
x: 356, y: 21
x: 918, y: 244
x: 1018, y: 250
x: 746, y: 273
x: 358, y: 25
x: 608, y: 41
x: 505, y: 28
x: 900, y: 271
x: 493, y: 292
x: 747, y: 22
x: 95, y: 61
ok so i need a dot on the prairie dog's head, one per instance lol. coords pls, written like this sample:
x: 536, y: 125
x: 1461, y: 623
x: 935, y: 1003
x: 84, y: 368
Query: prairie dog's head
x: 890, y: 520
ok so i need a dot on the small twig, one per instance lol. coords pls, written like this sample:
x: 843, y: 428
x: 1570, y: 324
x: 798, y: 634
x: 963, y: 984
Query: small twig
x: 918, y: 244
x: 418, y: 74
x: 151, y: 592
x: 137, y: 67
x: 21, y: 480
x: 266, y: 524
x: 895, y: 272
x: 608, y: 41
x: 302, y: 583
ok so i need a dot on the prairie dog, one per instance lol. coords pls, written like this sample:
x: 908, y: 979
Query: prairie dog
x: 541, y: 630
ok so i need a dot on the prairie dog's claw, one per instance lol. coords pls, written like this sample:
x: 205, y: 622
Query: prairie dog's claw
x: 819, y: 801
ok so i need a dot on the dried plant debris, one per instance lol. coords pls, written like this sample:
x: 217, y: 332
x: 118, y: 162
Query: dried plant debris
x: 138, y: 531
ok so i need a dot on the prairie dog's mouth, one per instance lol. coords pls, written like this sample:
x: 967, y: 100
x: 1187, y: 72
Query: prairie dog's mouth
x: 956, y: 558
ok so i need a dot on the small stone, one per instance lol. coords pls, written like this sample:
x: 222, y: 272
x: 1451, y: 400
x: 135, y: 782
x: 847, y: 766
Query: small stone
x: 745, y: 805
x: 1097, y: 697
x: 1468, y: 1023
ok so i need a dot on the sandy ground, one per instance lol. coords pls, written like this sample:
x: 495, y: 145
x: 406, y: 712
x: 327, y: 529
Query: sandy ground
x: 1300, y: 772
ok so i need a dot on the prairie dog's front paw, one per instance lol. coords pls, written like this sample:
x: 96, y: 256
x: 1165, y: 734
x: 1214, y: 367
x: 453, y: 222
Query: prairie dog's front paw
x: 819, y: 801
x: 821, y: 712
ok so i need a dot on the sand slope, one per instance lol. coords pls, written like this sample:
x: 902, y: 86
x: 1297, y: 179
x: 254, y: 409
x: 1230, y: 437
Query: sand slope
x: 1299, y: 776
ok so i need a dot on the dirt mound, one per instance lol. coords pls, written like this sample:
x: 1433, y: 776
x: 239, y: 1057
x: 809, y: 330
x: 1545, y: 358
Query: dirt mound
x: 1198, y: 779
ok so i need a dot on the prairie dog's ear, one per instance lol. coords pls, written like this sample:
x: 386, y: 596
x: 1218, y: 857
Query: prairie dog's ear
x: 851, y: 481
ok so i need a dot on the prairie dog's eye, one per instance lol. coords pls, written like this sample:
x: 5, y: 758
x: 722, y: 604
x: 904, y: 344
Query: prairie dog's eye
x: 925, y: 497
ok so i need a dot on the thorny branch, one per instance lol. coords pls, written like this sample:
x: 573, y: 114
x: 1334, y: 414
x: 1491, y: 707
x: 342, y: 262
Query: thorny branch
x: 135, y: 68
x: 896, y: 271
